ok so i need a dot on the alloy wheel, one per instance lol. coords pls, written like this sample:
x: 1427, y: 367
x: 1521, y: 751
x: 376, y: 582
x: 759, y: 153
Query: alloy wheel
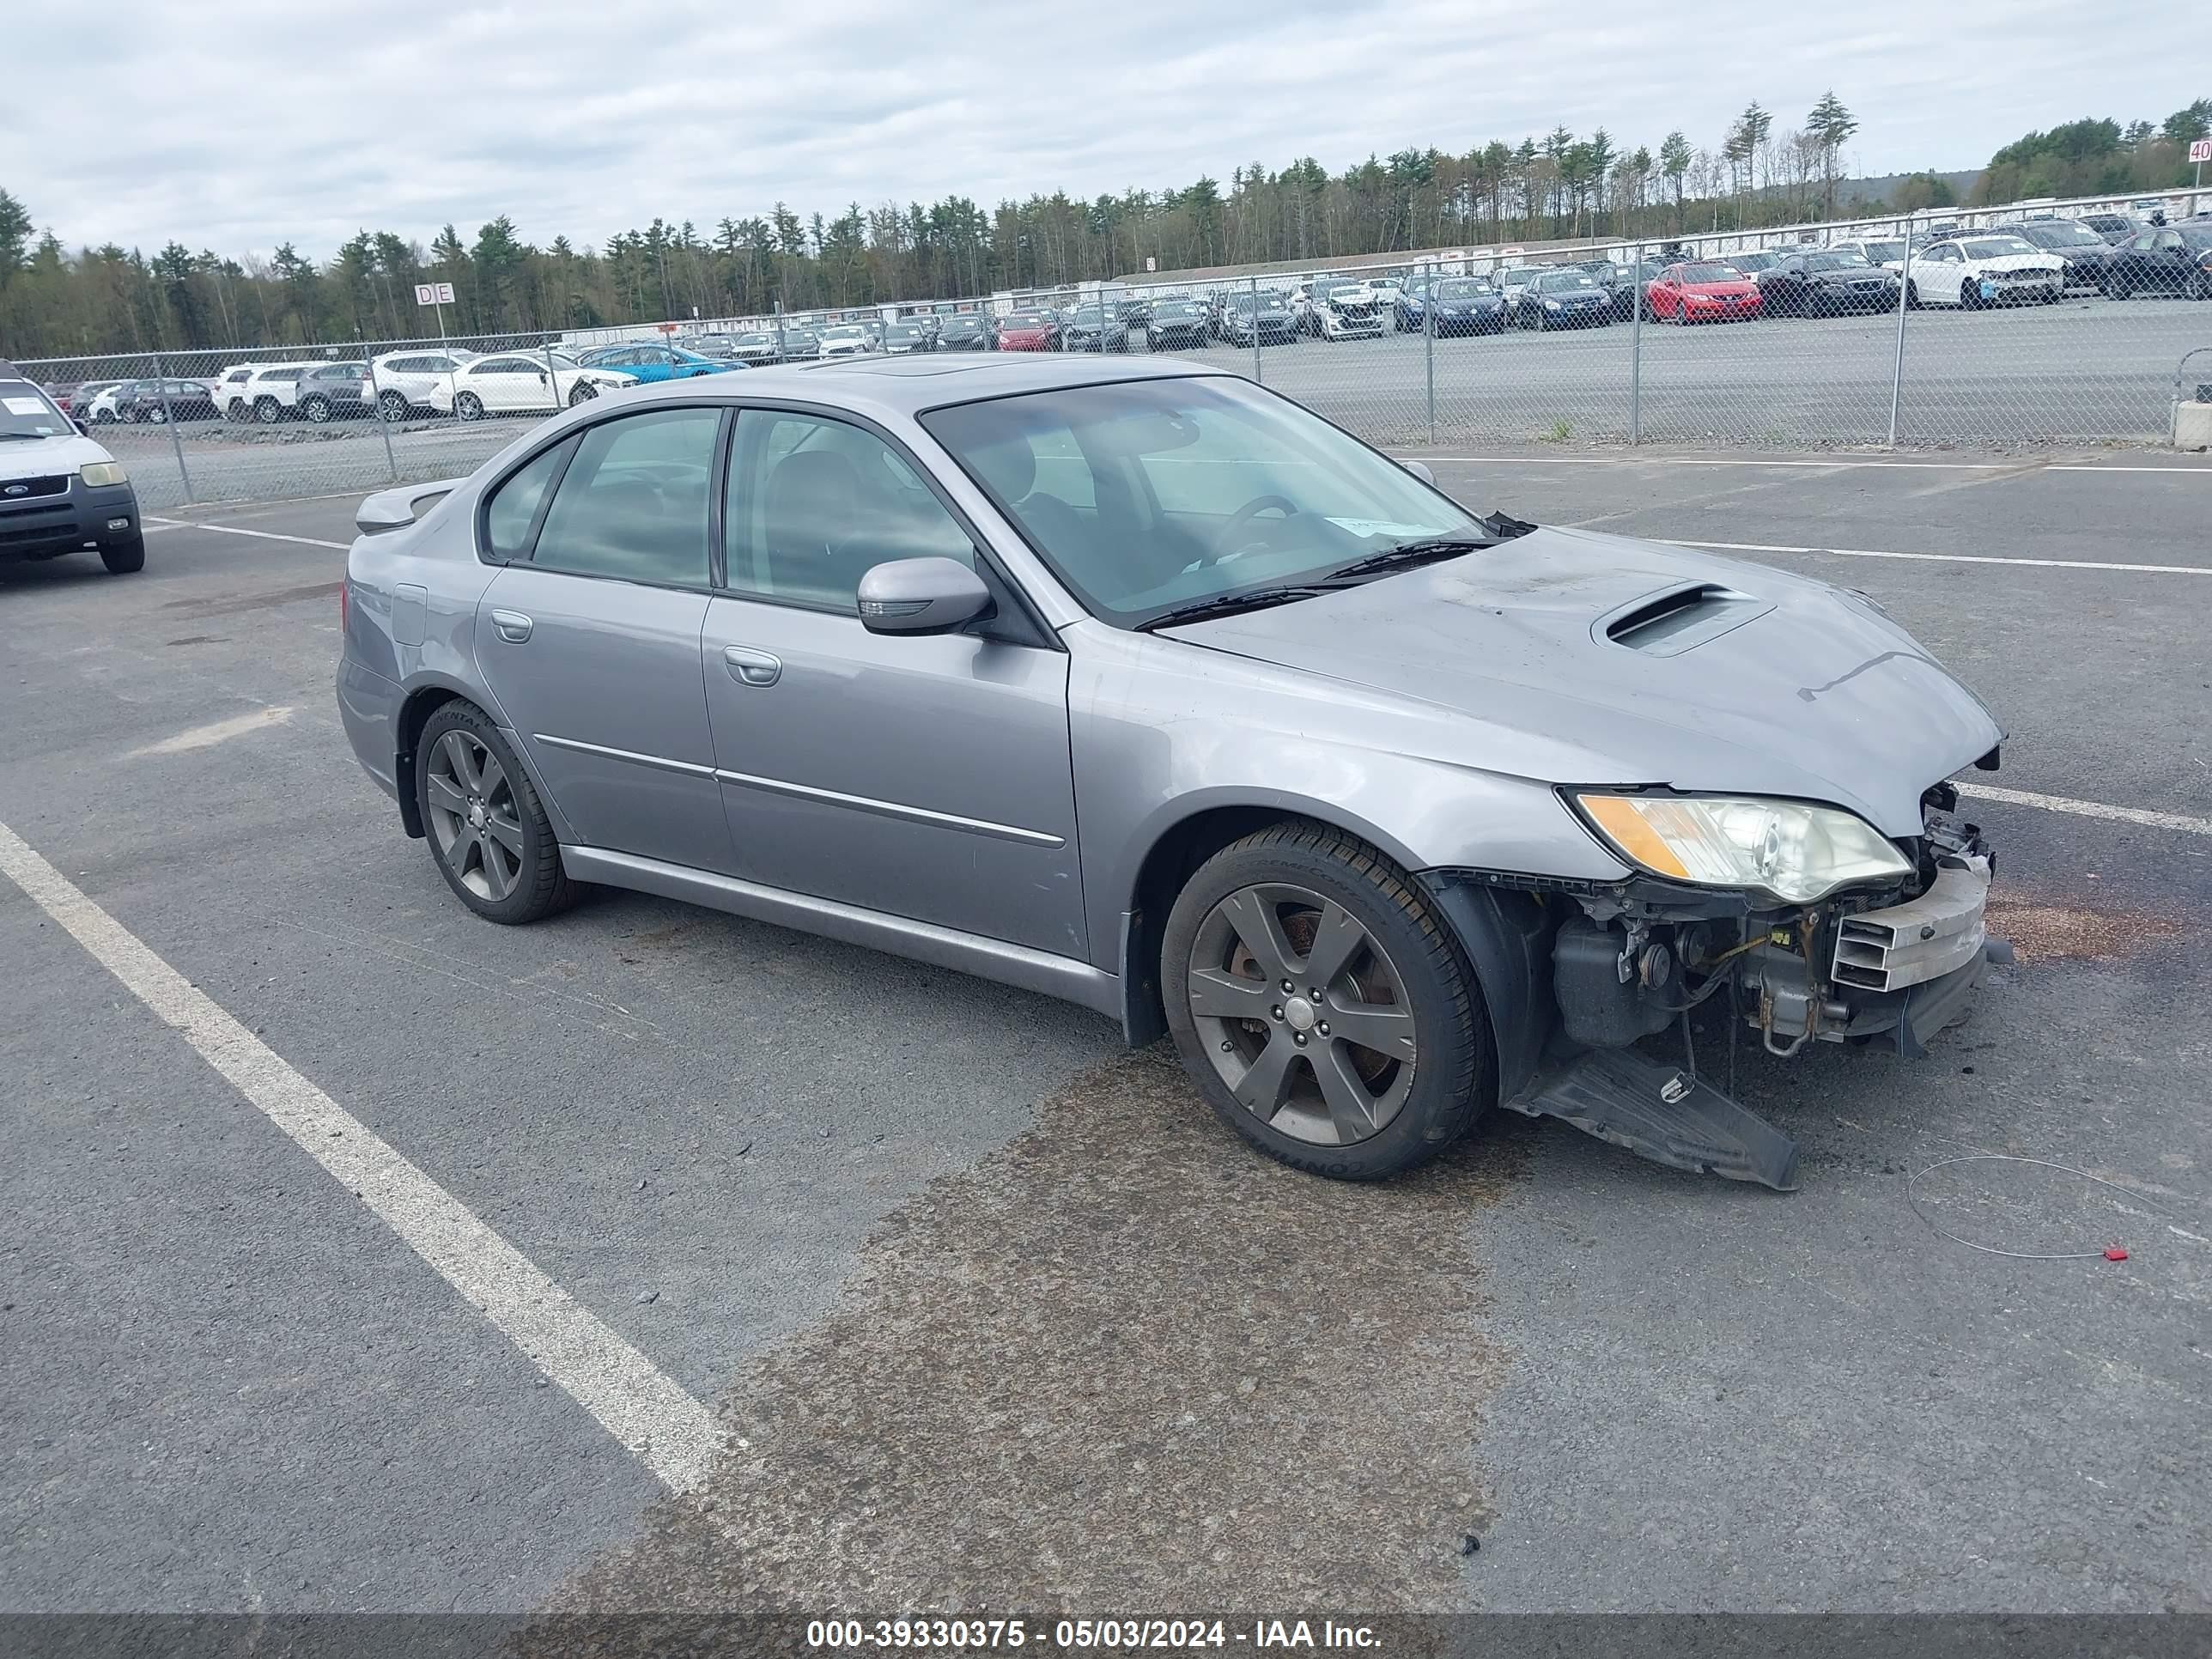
x: 1302, y: 1014
x: 474, y: 816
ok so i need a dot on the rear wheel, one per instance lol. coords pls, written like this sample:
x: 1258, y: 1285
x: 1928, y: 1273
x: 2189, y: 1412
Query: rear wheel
x: 1321, y: 1007
x: 317, y: 408
x: 487, y: 828
x: 123, y: 557
x: 268, y: 411
x: 391, y: 406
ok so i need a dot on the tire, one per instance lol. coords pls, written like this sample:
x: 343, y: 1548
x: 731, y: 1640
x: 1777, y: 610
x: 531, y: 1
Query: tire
x: 1386, y: 1110
x: 317, y: 408
x: 391, y: 406
x: 123, y: 558
x: 1970, y: 296
x: 469, y: 407
x: 103, y: 418
x: 583, y: 392
x: 236, y: 411
x: 506, y: 880
x: 1911, y: 295
x: 268, y: 411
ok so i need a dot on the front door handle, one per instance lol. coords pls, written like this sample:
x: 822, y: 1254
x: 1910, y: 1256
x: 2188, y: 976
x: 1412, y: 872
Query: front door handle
x: 749, y: 667
x: 514, y: 627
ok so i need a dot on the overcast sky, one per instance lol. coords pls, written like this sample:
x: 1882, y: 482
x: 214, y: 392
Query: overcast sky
x: 241, y: 124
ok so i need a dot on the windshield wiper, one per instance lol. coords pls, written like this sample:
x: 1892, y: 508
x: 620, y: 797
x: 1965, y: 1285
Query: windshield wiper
x: 1229, y: 604
x: 31, y: 437
x: 1428, y: 550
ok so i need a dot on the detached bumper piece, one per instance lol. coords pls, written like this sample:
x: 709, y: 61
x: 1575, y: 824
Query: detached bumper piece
x: 1662, y: 1112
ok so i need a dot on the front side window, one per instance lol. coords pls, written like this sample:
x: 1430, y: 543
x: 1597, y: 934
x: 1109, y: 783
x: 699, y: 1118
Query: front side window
x: 814, y: 503
x: 633, y: 503
x: 1147, y: 496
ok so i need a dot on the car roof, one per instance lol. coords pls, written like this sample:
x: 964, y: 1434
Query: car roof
x: 903, y: 386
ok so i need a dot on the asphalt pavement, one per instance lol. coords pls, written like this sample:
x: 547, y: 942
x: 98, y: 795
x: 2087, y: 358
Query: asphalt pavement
x: 991, y: 1311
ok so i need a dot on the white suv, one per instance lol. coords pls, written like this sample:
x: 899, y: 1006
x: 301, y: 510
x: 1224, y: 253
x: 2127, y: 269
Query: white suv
x: 1349, y: 311
x: 407, y: 381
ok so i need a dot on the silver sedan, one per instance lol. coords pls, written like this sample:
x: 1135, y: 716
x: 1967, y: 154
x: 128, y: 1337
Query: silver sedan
x: 1144, y: 687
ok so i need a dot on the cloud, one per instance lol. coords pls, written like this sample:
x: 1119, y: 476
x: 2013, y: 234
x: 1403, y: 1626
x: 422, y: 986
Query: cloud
x: 278, y: 122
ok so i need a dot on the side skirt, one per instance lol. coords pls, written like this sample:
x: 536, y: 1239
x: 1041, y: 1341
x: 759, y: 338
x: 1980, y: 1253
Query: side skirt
x: 922, y: 941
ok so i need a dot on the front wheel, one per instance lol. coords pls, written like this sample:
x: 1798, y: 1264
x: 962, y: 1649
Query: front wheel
x: 1912, y: 297
x: 124, y: 557
x: 487, y: 828
x: 268, y: 412
x: 469, y: 406
x: 317, y: 408
x: 1322, y: 1007
x: 584, y: 392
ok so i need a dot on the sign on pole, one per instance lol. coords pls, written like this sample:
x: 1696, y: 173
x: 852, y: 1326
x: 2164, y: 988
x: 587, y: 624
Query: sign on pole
x: 2200, y: 149
x: 434, y: 294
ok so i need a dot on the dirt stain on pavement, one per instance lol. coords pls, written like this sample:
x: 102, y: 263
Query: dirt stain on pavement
x: 1123, y: 1363
x: 2052, y: 933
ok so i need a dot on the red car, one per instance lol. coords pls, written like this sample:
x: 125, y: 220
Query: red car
x: 1028, y: 331
x: 1702, y: 294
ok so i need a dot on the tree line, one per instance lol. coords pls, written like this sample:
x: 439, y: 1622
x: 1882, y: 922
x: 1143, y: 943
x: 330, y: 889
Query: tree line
x: 110, y: 299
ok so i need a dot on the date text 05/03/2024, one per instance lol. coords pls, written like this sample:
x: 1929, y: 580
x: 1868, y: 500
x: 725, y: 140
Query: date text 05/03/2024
x: 1116, y: 1634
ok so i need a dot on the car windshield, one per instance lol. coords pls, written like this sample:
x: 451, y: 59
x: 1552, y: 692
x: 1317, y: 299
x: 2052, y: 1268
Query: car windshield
x: 1461, y: 288
x: 1185, y: 308
x: 1837, y: 261
x: 562, y: 360
x: 1750, y: 262
x: 1709, y: 274
x: 843, y: 334
x: 902, y: 331
x: 1874, y: 251
x: 2062, y: 234
x: 2196, y: 235
x: 960, y: 324
x: 1995, y: 248
x: 27, y: 412
x: 1024, y: 319
x: 1348, y: 291
x: 1146, y: 497
x: 1560, y: 282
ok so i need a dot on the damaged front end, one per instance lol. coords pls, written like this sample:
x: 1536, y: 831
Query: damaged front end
x: 1585, y: 970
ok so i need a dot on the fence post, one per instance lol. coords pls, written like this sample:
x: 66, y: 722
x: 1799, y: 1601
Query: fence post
x: 169, y: 419
x: 1636, y: 345
x: 779, y: 329
x: 376, y: 414
x: 1257, y: 372
x: 1904, y: 291
x: 1429, y: 341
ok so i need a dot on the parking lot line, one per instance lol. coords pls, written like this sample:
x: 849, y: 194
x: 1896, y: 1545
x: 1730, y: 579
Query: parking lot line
x: 664, y: 1427
x: 237, y: 529
x: 1941, y: 558
x: 2090, y: 809
x: 1819, y: 465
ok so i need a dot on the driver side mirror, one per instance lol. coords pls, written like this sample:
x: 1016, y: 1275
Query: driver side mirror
x: 83, y: 430
x: 1420, y: 471
x: 921, y: 596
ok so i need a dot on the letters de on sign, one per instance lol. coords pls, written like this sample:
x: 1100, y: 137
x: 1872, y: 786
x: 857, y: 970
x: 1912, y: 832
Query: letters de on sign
x: 434, y: 294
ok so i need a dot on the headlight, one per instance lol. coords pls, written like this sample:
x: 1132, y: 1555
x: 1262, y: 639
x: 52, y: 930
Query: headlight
x: 102, y: 475
x: 1550, y: 305
x: 1796, y: 852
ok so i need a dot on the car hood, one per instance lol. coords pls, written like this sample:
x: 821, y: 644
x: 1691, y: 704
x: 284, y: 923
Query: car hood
x: 1759, y: 682
x: 1845, y: 279
x: 1717, y: 290
x: 2017, y: 262
x: 1471, y: 302
x: 47, y: 456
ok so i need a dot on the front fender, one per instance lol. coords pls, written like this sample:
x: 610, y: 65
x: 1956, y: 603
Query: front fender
x: 1161, y: 734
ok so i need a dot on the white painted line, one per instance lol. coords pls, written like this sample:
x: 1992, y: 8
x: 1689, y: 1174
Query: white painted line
x: 1941, y: 558
x: 236, y: 530
x: 669, y: 1431
x: 215, y: 731
x: 2090, y: 809
x: 156, y: 526
x: 1838, y: 465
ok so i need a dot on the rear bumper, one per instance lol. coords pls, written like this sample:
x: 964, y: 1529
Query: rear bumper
x: 47, y: 527
x: 369, y: 708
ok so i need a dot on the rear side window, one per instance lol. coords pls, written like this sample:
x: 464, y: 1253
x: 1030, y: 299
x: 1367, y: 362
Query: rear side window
x: 633, y: 504
x: 514, y: 506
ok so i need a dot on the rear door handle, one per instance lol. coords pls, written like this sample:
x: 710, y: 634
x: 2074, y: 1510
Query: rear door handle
x: 514, y: 627
x: 749, y: 667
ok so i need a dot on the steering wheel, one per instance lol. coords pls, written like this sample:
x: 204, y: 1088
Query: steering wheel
x: 1225, y: 544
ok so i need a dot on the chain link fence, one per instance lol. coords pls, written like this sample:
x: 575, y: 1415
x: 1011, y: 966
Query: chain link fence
x: 1919, y: 333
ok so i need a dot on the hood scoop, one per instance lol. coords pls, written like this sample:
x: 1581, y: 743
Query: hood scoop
x: 1678, y: 618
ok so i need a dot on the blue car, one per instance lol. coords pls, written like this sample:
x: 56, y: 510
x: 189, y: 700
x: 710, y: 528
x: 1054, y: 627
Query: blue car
x: 656, y: 362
